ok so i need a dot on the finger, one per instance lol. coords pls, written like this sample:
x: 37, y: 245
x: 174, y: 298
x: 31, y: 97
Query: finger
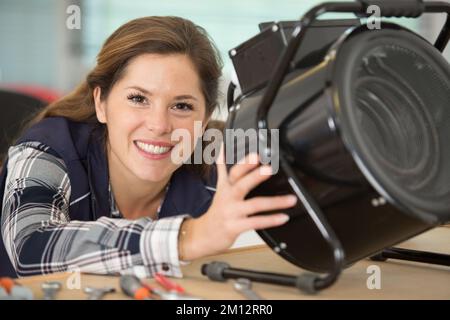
x: 261, y: 204
x: 222, y: 174
x: 245, y: 165
x: 243, y: 186
x: 262, y: 222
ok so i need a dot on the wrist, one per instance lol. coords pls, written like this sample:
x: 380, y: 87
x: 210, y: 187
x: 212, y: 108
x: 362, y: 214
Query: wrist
x: 186, y: 241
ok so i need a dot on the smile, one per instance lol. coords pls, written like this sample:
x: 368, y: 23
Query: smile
x: 152, y: 148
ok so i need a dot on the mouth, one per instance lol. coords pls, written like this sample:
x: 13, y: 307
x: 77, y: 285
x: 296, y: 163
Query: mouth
x: 153, y: 149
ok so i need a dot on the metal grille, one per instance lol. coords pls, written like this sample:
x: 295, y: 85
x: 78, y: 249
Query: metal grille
x: 402, y: 110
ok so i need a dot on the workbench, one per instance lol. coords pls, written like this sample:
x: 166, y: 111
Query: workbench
x: 399, y: 279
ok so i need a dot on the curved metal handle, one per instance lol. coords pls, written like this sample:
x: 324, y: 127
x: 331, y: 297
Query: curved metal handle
x: 396, y: 8
x: 358, y: 8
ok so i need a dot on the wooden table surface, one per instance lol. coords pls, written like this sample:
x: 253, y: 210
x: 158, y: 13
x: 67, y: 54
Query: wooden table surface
x: 399, y: 279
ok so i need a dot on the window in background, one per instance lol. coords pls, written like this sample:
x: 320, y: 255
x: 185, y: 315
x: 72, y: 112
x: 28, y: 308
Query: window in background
x: 229, y: 22
x: 37, y: 48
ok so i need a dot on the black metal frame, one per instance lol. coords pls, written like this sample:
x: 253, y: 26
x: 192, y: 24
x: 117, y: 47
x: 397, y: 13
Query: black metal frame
x: 412, y: 255
x: 308, y: 282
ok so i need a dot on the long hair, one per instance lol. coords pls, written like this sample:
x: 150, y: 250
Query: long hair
x: 160, y: 35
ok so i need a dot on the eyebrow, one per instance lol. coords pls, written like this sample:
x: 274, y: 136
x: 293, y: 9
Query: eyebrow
x: 180, y: 97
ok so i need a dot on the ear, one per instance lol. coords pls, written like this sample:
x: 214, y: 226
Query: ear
x: 100, y: 109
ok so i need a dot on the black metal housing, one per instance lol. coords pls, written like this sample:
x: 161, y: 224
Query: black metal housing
x: 348, y: 210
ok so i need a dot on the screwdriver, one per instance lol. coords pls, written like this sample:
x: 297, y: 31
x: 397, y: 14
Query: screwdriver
x: 132, y: 287
x: 13, y: 291
x: 168, y: 284
x: 7, y: 284
x: 174, y: 290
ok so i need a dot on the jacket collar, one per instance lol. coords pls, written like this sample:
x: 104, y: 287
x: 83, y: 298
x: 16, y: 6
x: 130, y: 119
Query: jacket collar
x: 98, y: 175
x: 187, y: 194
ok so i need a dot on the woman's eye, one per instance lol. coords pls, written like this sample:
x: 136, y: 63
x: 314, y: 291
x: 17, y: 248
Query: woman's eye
x: 137, y: 98
x: 182, y: 106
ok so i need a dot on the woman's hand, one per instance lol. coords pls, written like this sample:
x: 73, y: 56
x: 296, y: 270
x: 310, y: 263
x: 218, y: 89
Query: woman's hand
x: 229, y: 214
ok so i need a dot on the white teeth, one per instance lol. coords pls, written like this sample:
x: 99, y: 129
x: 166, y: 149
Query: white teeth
x: 150, y: 148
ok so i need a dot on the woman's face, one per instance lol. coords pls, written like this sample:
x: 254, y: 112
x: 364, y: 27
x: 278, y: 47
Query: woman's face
x: 156, y: 95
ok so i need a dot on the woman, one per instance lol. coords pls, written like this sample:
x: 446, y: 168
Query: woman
x: 91, y: 184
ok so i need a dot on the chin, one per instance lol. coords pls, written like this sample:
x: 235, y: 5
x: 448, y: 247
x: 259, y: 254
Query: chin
x: 152, y: 177
x: 154, y: 174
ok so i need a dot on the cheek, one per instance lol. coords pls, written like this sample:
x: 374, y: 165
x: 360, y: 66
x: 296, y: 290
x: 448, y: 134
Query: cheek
x: 121, y: 123
x: 192, y: 128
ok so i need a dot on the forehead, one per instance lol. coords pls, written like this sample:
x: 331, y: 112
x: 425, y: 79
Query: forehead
x: 165, y: 74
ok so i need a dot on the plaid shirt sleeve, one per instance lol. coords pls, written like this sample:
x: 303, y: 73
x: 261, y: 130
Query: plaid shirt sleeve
x: 40, y: 238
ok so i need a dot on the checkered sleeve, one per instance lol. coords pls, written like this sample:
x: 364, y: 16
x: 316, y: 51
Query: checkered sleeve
x: 40, y: 237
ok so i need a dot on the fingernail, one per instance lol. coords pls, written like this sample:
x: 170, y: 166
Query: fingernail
x: 253, y: 158
x: 266, y: 170
x: 284, y: 218
x: 292, y: 199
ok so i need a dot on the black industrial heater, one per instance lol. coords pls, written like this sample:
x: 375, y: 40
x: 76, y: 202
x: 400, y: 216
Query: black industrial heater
x: 364, y: 127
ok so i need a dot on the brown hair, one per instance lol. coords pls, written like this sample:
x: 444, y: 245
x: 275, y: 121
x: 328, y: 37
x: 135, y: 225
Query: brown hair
x: 161, y: 35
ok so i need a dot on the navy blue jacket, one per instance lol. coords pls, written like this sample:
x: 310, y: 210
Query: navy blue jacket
x: 82, y: 148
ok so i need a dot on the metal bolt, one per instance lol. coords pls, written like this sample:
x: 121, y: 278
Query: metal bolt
x: 331, y: 124
x: 378, y: 201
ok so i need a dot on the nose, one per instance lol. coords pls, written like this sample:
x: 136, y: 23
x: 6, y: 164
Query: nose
x: 157, y: 120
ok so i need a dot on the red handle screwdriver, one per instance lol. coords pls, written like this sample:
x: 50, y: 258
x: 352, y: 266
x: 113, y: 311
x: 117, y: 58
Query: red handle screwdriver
x: 168, y: 284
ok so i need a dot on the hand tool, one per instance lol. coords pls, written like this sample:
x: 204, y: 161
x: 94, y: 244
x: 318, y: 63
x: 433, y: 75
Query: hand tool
x: 11, y: 290
x: 173, y: 290
x: 98, y: 293
x: 132, y: 287
x: 50, y: 288
x: 244, y: 287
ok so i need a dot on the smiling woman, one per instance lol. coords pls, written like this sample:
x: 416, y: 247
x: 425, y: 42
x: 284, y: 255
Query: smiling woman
x: 141, y: 111
x: 90, y: 184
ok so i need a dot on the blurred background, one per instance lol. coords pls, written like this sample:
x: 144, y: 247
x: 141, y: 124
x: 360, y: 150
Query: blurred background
x: 41, y: 55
